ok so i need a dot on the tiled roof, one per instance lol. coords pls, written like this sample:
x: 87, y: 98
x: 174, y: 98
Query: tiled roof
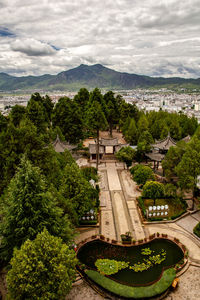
x: 165, y: 144
x: 61, y: 146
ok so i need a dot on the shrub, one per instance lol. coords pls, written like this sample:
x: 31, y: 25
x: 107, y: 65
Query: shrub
x: 142, y: 173
x: 141, y: 205
x: 134, y: 292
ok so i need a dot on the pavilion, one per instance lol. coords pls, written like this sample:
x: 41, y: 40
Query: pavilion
x: 160, y: 149
x: 60, y: 146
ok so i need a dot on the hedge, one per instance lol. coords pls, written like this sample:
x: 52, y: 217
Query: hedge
x: 196, y: 229
x: 88, y: 222
x: 134, y: 292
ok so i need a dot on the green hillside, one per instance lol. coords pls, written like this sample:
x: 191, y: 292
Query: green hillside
x: 91, y: 77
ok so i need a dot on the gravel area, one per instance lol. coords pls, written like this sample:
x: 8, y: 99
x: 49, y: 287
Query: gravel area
x: 188, y: 288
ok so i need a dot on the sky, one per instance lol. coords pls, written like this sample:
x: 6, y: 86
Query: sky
x: 147, y: 37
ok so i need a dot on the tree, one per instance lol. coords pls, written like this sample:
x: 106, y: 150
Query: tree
x: 17, y: 114
x: 82, y: 99
x: 172, y: 159
x: 127, y: 110
x: 41, y: 269
x: 95, y: 120
x: 170, y: 190
x: 3, y: 122
x: 67, y: 116
x: 112, y: 110
x: 36, y: 113
x: 142, y: 124
x: 153, y: 190
x: 78, y: 195
x: 189, y: 167
x: 131, y: 135
x: 144, y: 145
x: 142, y: 173
x: 126, y: 154
x: 29, y: 208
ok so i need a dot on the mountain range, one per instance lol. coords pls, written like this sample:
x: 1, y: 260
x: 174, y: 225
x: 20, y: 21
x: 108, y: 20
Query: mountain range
x: 90, y: 77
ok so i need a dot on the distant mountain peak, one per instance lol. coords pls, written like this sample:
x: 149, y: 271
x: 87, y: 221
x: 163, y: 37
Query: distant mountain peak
x: 89, y: 76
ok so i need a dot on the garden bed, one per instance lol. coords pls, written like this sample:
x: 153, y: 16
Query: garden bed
x: 176, y: 208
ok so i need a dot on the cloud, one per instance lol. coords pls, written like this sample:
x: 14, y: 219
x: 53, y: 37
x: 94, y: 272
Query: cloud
x: 32, y: 47
x: 159, y: 38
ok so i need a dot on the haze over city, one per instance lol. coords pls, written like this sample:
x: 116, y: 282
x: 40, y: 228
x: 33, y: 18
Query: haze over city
x: 151, y: 38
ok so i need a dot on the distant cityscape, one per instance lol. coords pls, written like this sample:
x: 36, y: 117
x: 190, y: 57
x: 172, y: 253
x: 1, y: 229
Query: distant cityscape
x: 144, y: 99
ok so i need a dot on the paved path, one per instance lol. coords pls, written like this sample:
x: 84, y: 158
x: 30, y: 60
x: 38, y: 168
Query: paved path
x: 119, y: 212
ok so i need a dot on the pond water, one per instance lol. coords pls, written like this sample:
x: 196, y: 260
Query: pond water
x: 90, y: 252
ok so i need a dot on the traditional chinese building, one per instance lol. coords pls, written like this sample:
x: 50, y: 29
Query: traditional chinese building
x: 107, y: 148
x: 60, y: 146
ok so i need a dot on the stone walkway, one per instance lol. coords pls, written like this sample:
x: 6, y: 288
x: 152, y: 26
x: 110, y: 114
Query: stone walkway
x: 119, y: 212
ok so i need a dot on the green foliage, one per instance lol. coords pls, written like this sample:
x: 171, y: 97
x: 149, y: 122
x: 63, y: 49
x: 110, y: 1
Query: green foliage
x: 170, y: 190
x: 90, y: 173
x: 3, y: 122
x: 131, y: 134
x: 17, y: 114
x: 146, y: 251
x: 153, y: 189
x: 110, y: 266
x: 42, y: 269
x: 144, y: 145
x: 196, y: 230
x: 172, y: 159
x: 150, y: 261
x: 134, y: 292
x: 28, y: 209
x: 67, y: 116
x: 112, y: 110
x: 78, y: 196
x: 142, y: 173
x: 95, y: 117
x: 35, y: 112
x: 126, y: 154
x: 82, y: 98
x: 189, y: 167
x: 141, y: 205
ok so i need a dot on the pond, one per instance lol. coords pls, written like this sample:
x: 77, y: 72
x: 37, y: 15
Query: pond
x: 98, y: 249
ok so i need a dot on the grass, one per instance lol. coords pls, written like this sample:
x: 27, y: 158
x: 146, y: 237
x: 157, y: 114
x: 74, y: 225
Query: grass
x: 134, y: 292
x: 176, y: 207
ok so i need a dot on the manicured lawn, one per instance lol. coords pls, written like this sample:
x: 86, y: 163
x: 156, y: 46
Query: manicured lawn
x: 134, y: 292
x: 175, y: 207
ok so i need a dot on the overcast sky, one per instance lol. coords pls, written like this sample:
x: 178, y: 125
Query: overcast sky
x: 150, y: 37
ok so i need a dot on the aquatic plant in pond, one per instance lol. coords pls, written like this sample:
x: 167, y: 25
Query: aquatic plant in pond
x: 146, y: 251
x: 110, y: 266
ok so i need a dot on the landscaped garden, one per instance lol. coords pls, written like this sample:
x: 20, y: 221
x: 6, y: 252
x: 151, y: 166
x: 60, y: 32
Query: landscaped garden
x: 175, y: 208
x: 132, y: 271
